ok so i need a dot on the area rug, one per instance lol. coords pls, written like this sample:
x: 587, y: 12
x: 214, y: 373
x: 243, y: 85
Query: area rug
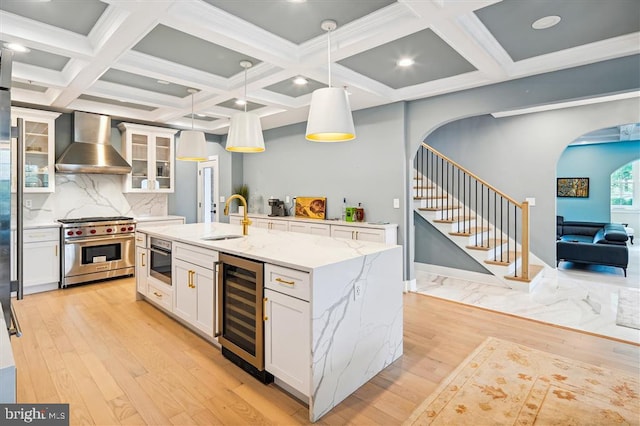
x: 505, y: 383
x: 628, y: 308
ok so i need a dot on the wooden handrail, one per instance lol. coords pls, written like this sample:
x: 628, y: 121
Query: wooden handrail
x: 473, y: 175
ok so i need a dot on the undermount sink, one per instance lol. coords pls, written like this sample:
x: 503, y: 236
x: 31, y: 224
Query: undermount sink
x: 220, y: 237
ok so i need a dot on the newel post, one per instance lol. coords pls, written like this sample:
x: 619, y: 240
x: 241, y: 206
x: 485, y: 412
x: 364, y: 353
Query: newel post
x: 525, y: 240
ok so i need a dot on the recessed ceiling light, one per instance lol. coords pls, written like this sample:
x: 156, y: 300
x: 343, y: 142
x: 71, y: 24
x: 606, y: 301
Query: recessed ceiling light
x: 17, y: 47
x: 300, y: 81
x: 546, y: 22
x: 405, y: 62
x: 200, y: 115
x: 240, y: 102
x: 162, y: 82
x: 297, y: 1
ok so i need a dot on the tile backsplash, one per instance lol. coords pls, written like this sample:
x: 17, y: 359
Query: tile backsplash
x: 87, y: 195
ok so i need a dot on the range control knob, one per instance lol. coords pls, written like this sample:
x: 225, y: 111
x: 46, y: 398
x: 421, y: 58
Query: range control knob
x: 123, y: 229
x: 109, y: 230
x: 78, y: 232
x: 69, y: 232
x: 130, y: 228
x: 93, y: 231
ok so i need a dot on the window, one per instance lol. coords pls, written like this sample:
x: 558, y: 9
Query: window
x: 625, y: 185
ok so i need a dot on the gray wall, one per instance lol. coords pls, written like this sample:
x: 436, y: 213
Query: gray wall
x: 434, y: 248
x: 596, y: 162
x: 367, y: 170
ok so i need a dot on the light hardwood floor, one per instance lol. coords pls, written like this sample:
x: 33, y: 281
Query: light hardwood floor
x: 118, y: 361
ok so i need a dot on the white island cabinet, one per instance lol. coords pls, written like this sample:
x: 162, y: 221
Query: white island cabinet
x: 194, y: 279
x: 333, y: 316
x: 287, y: 333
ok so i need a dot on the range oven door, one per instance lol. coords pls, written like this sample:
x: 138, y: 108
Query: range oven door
x: 98, y: 255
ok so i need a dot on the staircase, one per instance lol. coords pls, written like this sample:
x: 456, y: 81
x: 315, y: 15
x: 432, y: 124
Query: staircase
x: 487, y: 224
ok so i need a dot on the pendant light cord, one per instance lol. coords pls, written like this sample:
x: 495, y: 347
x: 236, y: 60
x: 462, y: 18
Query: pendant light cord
x: 329, y: 54
x: 192, y: 111
x: 245, y: 89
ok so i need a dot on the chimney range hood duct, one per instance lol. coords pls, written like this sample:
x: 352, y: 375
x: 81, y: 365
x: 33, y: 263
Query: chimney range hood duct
x: 90, y: 151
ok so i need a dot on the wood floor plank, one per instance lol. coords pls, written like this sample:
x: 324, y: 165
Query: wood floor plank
x: 116, y: 360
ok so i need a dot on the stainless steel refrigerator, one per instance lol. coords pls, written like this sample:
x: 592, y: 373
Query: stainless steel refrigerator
x: 10, y: 215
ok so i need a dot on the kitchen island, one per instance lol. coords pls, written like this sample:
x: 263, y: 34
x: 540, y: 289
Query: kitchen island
x: 352, y: 311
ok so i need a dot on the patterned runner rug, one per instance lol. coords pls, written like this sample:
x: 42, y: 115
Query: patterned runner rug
x: 628, y: 308
x: 505, y: 383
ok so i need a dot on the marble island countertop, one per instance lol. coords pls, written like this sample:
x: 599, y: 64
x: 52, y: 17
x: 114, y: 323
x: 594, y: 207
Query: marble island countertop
x: 296, y: 250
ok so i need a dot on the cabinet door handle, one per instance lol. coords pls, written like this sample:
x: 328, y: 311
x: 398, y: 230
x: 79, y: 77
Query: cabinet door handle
x: 191, y: 274
x: 264, y: 309
x: 143, y: 264
x: 280, y: 280
x: 356, y: 235
x: 158, y: 294
x: 56, y: 250
x: 353, y: 235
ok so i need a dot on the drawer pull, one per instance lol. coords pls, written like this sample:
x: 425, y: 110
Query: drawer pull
x: 158, y: 294
x: 139, y: 239
x: 191, y: 284
x: 280, y: 280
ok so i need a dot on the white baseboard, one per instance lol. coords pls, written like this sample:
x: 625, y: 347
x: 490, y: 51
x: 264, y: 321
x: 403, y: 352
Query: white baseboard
x: 460, y: 274
x: 410, y: 285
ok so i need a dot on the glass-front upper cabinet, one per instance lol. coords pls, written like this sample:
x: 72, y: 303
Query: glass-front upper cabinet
x: 38, y: 132
x: 150, y: 151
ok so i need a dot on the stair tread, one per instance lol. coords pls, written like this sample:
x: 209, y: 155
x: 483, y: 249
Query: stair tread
x: 512, y: 256
x: 454, y: 219
x: 490, y: 244
x: 469, y: 232
x: 534, y: 270
x: 438, y: 209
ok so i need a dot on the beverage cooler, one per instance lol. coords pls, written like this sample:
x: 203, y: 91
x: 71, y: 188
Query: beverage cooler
x: 240, y: 314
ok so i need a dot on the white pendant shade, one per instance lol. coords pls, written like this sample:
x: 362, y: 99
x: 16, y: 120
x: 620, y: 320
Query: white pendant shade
x: 330, y: 117
x: 192, y: 146
x: 245, y: 133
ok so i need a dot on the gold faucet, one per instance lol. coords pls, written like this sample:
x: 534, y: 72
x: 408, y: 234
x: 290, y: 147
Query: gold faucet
x: 245, y: 221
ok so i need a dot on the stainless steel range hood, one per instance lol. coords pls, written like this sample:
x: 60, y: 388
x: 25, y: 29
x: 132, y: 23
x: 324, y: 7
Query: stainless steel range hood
x: 90, y: 151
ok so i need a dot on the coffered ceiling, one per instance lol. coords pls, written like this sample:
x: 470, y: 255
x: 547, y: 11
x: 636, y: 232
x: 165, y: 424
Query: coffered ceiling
x: 137, y: 59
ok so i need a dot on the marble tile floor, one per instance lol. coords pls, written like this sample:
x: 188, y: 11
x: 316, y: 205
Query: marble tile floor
x: 575, y: 296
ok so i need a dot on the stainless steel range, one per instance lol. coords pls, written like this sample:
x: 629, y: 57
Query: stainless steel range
x: 96, y: 248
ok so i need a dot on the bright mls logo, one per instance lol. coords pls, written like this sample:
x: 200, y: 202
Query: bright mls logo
x: 35, y: 414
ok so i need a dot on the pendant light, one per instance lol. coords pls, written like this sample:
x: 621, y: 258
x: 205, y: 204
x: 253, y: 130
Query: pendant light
x: 330, y: 117
x: 192, y: 145
x: 245, y: 131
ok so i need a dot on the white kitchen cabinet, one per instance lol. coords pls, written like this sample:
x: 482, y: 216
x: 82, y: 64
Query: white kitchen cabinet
x: 358, y: 233
x: 280, y: 225
x: 39, y: 149
x: 142, y: 263
x: 381, y: 233
x: 194, y: 281
x: 150, y: 151
x: 41, y: 259
x: 287, y: 334
x: 310, y: 228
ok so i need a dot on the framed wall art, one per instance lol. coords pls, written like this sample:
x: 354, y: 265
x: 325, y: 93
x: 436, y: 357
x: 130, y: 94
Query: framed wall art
x: 573, y: 187
x: 311, y: 207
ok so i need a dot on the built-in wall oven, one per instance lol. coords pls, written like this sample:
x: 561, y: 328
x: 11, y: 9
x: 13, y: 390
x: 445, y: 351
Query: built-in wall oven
x: 240, y: 313
x: 160, y: 259
x: 96, y: 248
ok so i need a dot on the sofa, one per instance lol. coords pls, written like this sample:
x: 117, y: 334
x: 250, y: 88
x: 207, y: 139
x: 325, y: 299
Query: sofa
x: 592, y: 243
